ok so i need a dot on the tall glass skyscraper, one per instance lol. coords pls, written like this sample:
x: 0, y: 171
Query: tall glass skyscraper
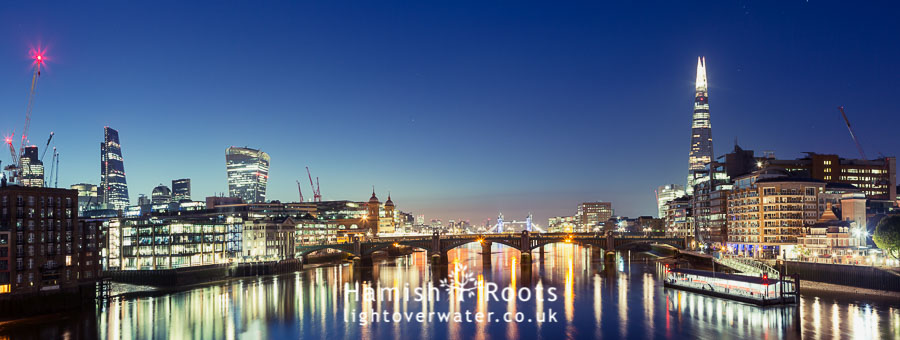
x: 113, y: 190
x: 248, y: 172
x: 701, y: 130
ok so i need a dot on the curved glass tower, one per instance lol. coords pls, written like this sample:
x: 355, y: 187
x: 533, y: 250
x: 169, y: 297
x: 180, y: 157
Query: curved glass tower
x: 701, y: 130
x: 113, y: 189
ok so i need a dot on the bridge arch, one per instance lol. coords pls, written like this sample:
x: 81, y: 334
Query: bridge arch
x: 671, y: 243
x: 447, y: 246
x: 372, y: 248
x: 344, y: 248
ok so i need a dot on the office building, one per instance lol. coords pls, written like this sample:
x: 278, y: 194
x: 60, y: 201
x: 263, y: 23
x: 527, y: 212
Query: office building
x: 32, y: 168
x: 665, y: 194
x: 709, y: 202
x: 562, y: 224
x: 113, y: 190
x: 161, y: 195
x: 876, y: 178
x: 248, y: 173
x: 181, y: 189
x: 87, y: 196
x: 592, y: 215
x: 146, y: 243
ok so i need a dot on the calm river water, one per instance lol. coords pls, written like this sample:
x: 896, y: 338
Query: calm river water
x: 565, y: 295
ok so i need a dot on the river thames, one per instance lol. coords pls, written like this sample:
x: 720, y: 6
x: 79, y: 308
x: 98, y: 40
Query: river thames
x: 569, y: 296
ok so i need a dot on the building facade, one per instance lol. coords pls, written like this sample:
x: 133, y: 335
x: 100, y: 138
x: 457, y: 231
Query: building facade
x: 592, y: 215
x: 711, y: 187
x: 829, y: 240
x: 162, y: 243
x: 678, y: 217
x: 768, y: 212
x: 43, y: 247
x: 113, y: 190
x: 877, y: 178
x: 665, y: 194
x: 87, y: 196
x: 701, y: 129
x: 248, y: 173
x: 271, y: 239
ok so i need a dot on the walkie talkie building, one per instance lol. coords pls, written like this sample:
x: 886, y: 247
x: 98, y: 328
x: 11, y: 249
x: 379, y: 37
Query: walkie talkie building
x: 248, y: 172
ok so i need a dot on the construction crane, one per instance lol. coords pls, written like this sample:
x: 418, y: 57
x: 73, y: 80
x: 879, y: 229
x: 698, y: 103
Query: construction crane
x: 852, y: 135
x: 317, y: 196
x: 12, y: 150
x: 300, y: 190
x: 56, y: 170
x: 46, y: 147
x: 53, y: 165
x: 38, y: 61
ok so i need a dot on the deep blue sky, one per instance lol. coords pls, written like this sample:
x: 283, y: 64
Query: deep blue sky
x: 460, y: 109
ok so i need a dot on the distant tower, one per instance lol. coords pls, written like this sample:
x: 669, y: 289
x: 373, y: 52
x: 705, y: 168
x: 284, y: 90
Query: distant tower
x: 701, y: 129
x: 528, y: 222
x: 248, y: 173
x: 500, y: 223
x: 389, y: 212
x: 372, y: 213
x: 113, y: 190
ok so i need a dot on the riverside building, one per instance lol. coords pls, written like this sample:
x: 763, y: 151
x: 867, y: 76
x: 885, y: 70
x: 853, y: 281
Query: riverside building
x: 768, y: 211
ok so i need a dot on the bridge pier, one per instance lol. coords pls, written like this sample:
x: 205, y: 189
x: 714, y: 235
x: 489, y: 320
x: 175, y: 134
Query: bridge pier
x: 486, y: 254
x: 363, y: 261
x: 439, y: 259
x: 609, y: 257
x: 526, y: 259
x: 541, y: 252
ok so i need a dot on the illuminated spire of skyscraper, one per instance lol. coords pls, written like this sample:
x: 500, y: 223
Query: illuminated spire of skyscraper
x: 701, y: 130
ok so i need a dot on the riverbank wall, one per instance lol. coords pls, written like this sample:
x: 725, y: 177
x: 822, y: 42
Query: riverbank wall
x: 870, y: 278
x: 201, y: 274
x: 17, y: 306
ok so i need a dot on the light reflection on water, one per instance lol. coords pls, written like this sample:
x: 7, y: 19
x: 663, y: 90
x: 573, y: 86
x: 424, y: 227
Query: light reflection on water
x: 623, y: 299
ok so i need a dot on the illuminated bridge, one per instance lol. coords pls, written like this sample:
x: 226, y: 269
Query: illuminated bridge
x: 438, y: 245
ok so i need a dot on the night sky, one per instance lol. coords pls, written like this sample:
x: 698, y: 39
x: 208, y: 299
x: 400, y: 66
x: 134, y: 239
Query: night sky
x: 460, y: 109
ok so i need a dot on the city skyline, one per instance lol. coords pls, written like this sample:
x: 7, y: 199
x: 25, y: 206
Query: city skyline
x: 464, y: 138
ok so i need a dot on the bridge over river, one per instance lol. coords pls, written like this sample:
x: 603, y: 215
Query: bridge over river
x: 438, y: 245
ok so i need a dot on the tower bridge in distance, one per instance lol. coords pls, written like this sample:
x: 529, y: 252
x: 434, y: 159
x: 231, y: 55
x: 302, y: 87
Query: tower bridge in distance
x: 439, y: 245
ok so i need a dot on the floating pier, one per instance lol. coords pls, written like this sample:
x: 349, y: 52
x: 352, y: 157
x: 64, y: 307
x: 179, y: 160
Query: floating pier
x: 760, y: 290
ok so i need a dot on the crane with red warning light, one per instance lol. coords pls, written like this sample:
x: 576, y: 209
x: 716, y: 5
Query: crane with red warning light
x: 15, y: 167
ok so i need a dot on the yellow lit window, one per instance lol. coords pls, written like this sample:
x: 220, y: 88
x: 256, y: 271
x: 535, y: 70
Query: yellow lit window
x: 4, y: 289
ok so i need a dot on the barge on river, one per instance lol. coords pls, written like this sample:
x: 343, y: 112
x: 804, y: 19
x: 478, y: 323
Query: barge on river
x: 760, y: 290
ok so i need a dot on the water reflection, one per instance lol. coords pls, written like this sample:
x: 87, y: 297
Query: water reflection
x: 624, y: 297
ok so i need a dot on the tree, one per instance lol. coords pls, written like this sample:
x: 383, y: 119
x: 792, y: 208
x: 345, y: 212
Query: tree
x: 887, y: 235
